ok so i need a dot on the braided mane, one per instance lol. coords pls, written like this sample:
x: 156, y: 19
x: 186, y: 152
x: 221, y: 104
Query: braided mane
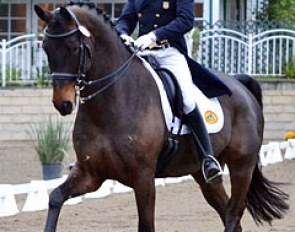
x: 91, y: 6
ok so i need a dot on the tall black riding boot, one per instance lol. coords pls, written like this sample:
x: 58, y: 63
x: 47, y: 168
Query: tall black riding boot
x: 210, y: 166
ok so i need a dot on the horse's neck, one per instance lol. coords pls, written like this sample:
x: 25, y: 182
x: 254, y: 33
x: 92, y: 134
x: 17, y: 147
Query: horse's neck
x: 121, y: 99
x: 109, y: 51
x: 128, y: 96
x: 108, y: 54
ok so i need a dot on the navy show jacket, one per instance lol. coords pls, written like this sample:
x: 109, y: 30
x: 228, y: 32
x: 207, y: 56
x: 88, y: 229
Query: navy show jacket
x: 168, y: 19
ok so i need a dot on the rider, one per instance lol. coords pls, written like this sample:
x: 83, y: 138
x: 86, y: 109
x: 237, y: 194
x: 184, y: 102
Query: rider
x: 162, y: 25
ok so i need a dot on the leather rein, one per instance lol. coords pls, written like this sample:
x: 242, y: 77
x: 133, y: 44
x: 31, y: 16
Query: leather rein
x: 79, y: 77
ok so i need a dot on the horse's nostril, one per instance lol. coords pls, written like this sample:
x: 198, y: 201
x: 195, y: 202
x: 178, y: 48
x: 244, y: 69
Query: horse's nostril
x: 67, y: 107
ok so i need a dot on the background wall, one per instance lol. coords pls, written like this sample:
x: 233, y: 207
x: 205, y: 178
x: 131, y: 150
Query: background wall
x: 279, y: 108
x: 22, y: 108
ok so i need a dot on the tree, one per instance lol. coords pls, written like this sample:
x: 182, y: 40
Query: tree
x: 277, y: 10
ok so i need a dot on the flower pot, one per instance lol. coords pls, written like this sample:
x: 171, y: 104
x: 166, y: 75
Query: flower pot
x: 52, y: 171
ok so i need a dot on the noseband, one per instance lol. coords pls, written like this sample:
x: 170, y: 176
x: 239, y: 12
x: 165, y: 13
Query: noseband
x: 79, y: 77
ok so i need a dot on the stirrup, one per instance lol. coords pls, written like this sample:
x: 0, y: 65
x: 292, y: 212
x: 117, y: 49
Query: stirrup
x: 214, y: 178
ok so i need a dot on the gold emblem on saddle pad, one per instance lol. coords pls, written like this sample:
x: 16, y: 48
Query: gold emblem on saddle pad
x: 211, y: 117
x: 166, y: 5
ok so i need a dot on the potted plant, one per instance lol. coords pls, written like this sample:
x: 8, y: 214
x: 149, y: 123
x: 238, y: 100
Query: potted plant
x: 52, y: 140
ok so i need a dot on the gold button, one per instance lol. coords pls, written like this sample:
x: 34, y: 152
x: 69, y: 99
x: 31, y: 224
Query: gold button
x: 139, y: 15
x: 155, y: 26
x: 158, y: 15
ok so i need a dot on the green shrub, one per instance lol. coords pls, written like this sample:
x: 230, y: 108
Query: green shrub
x: 196, y: 42
x: 290, y: 70
x: 12, y: 74
x: 42, y: 77
x: 52, y: 140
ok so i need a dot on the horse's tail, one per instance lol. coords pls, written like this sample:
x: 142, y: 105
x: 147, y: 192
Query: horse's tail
x: 252, y: 85
x: 265, y: 201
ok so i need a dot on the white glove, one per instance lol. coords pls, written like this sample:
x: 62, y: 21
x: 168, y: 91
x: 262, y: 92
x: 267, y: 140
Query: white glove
x: 145, y: 41
x: 127, y: 40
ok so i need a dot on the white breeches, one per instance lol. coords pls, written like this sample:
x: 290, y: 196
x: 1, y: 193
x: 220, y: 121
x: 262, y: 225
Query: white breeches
x: 171, y: 59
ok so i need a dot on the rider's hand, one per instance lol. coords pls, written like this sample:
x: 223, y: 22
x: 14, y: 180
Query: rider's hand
x: 127, y: 40
x: 145, y: 41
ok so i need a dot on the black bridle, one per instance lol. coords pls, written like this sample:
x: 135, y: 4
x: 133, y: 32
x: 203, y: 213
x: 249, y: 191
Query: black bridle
x: 79, y: 77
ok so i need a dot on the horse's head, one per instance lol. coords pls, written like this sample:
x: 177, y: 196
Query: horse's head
x: 68, y: 46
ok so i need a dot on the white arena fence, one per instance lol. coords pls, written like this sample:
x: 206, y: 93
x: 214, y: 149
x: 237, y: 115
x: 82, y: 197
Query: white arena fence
x: 24, y: 62
x: 37, y: 191
x: 264, y: 54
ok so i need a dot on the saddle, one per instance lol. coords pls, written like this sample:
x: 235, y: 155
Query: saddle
x: 171, y: 87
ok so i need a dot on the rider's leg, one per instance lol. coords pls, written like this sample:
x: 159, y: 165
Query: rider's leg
x: 173, y: 60
x: 210, y: 166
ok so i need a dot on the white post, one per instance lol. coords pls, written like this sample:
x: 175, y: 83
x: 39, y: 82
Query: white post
x: 250, y: 54
x: 206, y: 10
x: 3, y: 68
x: 215, y: 11
x: 211, y: 11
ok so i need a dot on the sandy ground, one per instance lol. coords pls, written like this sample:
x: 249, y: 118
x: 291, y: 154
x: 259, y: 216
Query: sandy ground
x: 179, y: 207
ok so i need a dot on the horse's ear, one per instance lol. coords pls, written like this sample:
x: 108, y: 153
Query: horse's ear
x: 65, y: 13
x: 43, y: 14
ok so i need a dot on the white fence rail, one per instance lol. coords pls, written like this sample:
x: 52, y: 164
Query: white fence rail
x: 22, y: 60
x: 263, y: 54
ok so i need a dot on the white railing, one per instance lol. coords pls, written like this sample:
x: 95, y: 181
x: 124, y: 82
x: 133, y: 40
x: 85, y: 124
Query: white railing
x: 263, y: 54
x: 22, y: 60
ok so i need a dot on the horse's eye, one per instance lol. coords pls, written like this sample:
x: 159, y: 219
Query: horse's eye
x: 76, y: 50
x: 73, y: 48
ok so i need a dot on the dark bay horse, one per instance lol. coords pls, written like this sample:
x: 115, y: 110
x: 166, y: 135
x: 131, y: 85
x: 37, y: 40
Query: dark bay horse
x: 120, y: 129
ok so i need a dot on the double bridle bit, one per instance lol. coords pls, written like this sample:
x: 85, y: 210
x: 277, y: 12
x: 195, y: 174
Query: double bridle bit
x: 79, y: 77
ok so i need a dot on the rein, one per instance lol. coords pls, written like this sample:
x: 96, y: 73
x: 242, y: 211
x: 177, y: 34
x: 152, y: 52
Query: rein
x: 79, y: 77
x: 118, y: 73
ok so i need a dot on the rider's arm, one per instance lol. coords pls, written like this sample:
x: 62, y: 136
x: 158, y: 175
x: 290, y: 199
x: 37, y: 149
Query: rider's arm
x: 128, y: 19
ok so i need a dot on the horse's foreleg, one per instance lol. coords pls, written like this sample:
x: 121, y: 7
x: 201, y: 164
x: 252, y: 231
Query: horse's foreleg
x: 144, y: 190
x: 56, y: 201
x: 215, y: 195
x: 78, y: 183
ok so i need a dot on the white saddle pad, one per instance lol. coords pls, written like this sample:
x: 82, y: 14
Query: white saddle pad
x: 210, y: 108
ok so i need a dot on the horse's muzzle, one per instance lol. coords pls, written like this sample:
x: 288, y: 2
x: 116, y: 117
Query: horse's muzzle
x: 65, y: 108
